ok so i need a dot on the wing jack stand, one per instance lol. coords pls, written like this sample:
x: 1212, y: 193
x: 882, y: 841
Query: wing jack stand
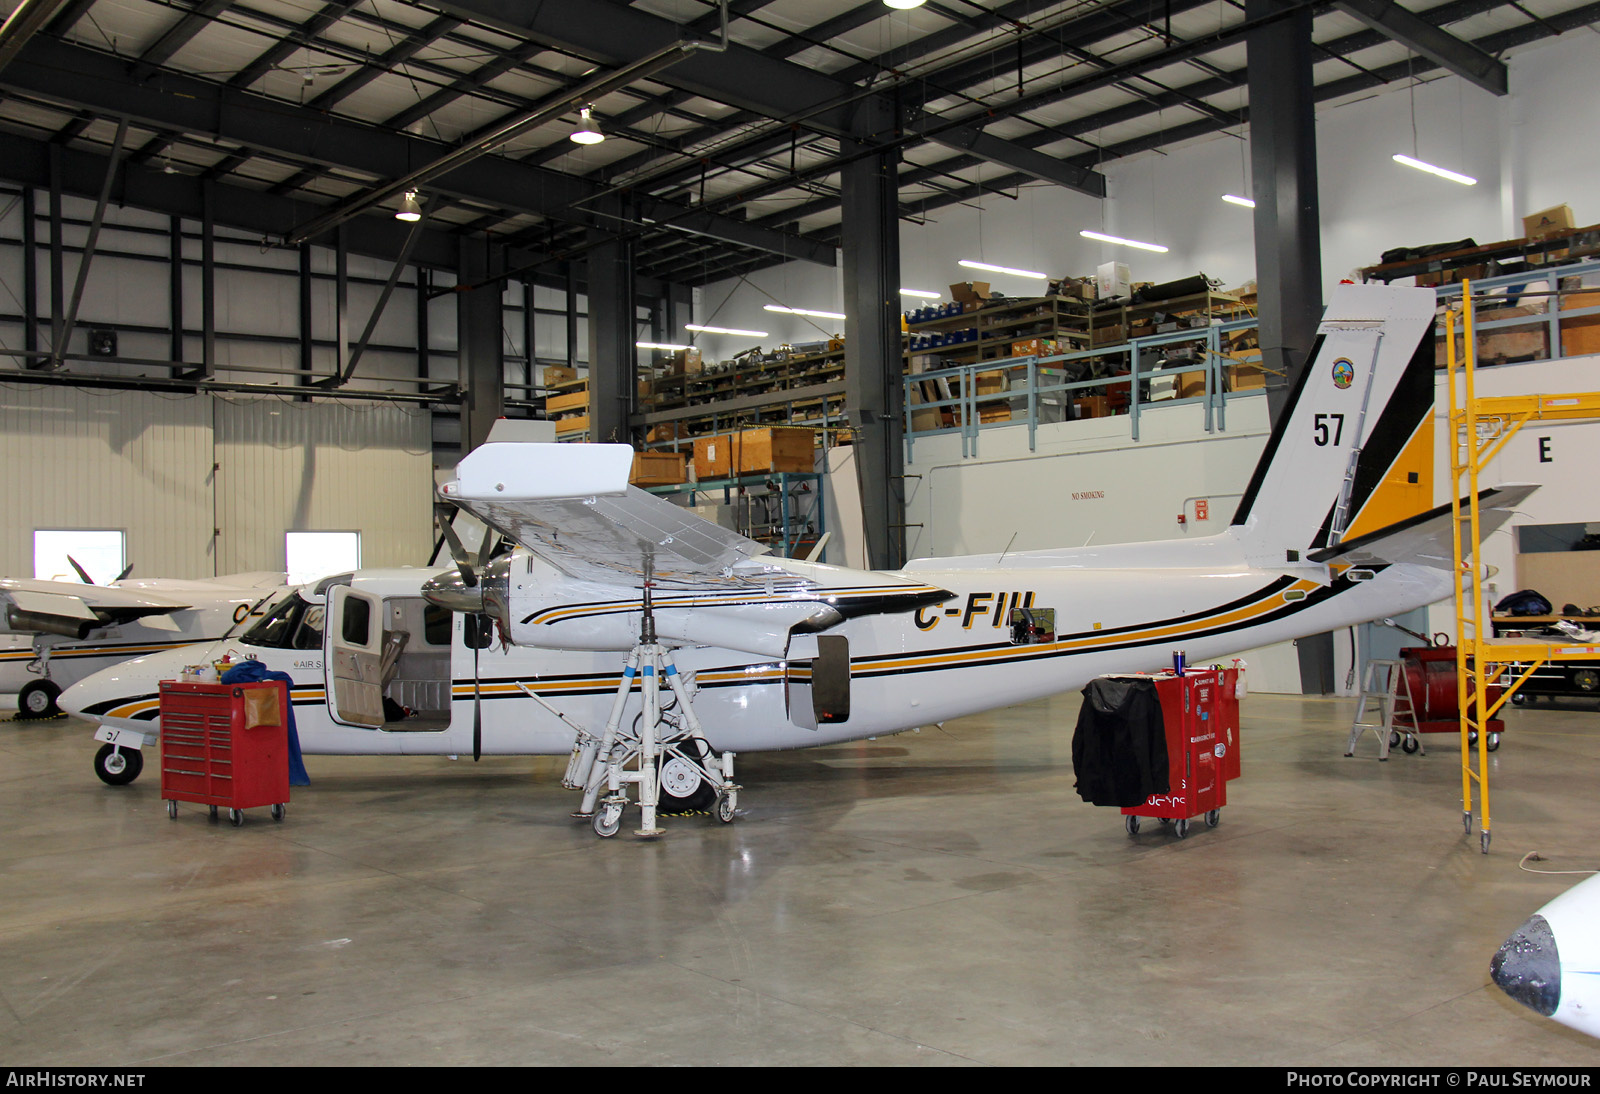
x: 621, y: 757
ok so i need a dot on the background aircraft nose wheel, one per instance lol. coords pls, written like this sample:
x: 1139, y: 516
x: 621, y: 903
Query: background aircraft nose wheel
x: 118, y: 767
x: 1131, y: 823
x: 608, y: 819
x: 38, y: 700
x: 1213, y: 818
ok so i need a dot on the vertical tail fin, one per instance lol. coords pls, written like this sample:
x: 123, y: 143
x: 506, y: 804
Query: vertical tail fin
x: 1353, y: 449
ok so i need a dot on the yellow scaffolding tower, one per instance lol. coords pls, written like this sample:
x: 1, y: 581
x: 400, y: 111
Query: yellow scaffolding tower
x: 1479, y: 429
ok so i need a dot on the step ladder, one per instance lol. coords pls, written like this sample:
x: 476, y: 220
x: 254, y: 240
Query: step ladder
x: 1385, y: 708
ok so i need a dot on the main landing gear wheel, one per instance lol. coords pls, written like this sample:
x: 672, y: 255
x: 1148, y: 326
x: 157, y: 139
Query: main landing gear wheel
x: 608, y: 819
x: 118, y: 767
x: 37, y: 701
x: 1213, y: 818
x: 683, y: 788
x: 1131, y: 823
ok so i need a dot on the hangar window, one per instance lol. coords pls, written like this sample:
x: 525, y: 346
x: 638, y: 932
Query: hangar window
x: 310, y: 555
x: 101, y: 553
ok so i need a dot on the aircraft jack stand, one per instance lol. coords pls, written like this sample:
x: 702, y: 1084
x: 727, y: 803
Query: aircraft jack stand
x: 658, y: 750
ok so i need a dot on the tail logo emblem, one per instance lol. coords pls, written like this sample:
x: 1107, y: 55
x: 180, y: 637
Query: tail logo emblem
x: 1344, y: 373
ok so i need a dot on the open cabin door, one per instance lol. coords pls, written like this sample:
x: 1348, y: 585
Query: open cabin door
x: 817, y: 691
x: 354, y: 658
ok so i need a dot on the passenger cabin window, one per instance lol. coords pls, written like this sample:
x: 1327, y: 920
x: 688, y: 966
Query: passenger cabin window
x: 293, y: 624
x: 436, y: 625
x: 357, y: 622
x: 1031, y: 626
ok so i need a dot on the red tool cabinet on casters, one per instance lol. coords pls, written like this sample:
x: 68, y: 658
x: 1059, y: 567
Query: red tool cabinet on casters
x: 1200, y: 711
x: 225, y: 745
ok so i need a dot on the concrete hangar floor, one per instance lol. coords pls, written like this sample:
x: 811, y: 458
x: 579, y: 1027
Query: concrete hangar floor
x: 934, y: 898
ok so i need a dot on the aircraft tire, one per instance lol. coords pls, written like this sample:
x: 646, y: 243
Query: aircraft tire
x: 118, y: 768
x: 37, y: 701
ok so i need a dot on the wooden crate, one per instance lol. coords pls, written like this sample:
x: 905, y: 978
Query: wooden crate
x: 576, y: 423
x: 659, y: 468
x: 1581, y: 336
x: 776, y: 448
x: 712, y: 457
x: 558, y: 404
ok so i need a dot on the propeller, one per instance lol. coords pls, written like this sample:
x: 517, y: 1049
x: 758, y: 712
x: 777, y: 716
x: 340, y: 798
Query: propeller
x: 126, y: 570
x: 461, y: 591
x: 82, y: 573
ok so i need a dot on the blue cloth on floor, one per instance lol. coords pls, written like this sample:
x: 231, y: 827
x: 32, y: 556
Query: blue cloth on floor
x: 251, y: 672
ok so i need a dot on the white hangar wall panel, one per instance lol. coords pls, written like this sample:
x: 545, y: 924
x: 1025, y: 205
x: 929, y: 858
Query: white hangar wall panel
x: 287, y: 466
x: 133, y: 461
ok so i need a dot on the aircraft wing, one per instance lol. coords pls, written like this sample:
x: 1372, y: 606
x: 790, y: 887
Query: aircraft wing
x: 1425, y: 538
x: 571, y: 505
x: 61, y: 607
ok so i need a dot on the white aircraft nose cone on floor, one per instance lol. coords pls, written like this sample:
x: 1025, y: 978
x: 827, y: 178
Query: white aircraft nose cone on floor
x: 1551, y: 964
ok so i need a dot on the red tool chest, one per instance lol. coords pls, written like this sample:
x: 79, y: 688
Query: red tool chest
x: 1200, y: 712
x: 225, y: 745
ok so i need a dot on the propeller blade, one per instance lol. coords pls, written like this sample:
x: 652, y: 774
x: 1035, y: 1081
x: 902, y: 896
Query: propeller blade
x: 82, y: 573
x: 126, y: 570
x: 469, y: 575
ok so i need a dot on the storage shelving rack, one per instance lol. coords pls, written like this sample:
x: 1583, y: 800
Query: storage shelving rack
x: 1480, y: 428
x: 791, y: 527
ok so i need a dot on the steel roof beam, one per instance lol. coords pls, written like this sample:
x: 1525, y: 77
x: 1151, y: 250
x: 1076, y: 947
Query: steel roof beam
x: 82, y: 77
x: 177, y: 36
x: 1435, y: 43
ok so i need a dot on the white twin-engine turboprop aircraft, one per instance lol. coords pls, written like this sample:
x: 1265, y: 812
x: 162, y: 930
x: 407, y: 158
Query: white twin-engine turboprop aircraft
x: 55, y: 633
x: 734, y: 650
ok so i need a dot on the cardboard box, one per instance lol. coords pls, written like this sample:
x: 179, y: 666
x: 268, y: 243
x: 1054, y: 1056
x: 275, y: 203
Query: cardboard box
x: 559, y: 374
x: 685, y: 362
x: 1581, y: 335
x: 659, y: 468
x: 1109, y: 335
x: 559, y: 404
x: 970, y: 292
x: 577, y: 423
x: 1246, y: 376
x: 670, y: 431
x: 1548, y: 222
x: 1092, y: 406
x: 1035, y: 347
x: 1191, y: 385
x: 991, y: 383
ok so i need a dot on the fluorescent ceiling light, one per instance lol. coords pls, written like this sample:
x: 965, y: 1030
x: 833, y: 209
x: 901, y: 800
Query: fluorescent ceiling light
x: 410, y: 208
x: 1235, y: 199
x: 904, y: 5
x: 1453, y: 176
x: 725, y: 330
x: 923, y: 293
x: 661, y: 345
x: 803, y: 311
x: 587, y: 132
x: 1103, y: 238
x: 971, y: 265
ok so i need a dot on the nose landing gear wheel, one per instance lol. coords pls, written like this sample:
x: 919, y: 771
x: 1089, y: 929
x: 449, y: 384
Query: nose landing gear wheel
x: 116, y: 766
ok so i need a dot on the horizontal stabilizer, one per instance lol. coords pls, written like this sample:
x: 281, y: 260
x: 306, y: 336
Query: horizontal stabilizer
x: 1425, y: 538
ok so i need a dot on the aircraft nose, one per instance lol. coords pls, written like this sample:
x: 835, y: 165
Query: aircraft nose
x: 450, y: 590
x: 1527, y: 967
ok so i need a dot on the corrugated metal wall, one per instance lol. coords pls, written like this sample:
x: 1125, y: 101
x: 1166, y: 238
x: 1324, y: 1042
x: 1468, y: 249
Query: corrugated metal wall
x: 142, y: 463
x: 133, y: 461
x: 287, y: 466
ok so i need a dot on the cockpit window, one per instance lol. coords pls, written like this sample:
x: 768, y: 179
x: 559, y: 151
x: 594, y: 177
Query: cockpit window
x: 293, y: 624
